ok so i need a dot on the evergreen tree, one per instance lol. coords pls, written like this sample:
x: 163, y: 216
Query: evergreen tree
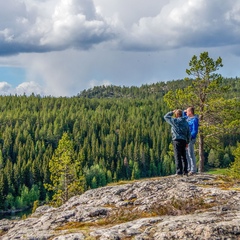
x: 226, y: 160
x: 234, y: 170
x: 3, y: 188
x: 63, y: 174
x: 217, y: 115
x: 213, y: 159
x: 120, y: 129
x: 1, y: 160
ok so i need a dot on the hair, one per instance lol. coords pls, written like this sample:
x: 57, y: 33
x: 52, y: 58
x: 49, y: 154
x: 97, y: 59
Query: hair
x: 191, y: 109
x: 178, y: 112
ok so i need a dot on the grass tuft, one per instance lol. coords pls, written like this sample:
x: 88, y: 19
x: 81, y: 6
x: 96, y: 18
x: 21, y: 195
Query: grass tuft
x: 173, y: 207
x: 181, y: 207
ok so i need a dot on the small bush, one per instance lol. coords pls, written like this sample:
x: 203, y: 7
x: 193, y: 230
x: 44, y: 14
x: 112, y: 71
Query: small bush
x: 234, y: 169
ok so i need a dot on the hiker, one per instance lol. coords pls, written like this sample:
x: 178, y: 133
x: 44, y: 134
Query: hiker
x: 192, y: 120
x: 180, y: 137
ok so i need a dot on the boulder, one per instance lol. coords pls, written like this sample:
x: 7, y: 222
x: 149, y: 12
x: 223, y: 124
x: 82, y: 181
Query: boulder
x: 198, y: 207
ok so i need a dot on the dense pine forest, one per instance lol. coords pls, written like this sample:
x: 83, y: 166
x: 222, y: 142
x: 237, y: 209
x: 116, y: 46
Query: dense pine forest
x: 118, y: 133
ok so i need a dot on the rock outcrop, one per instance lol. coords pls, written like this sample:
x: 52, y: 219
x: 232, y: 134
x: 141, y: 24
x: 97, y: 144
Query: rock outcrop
x: 197, y: 207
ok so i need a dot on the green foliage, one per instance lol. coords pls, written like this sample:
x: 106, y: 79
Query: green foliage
x: 63, y: 176
x: 121, y: 130
x: 24, y: 200
x: 9, y: 202
x: 109, y: 176
x: 218, y: 171
x: 207, y: 92
x: 95, y: 176
x: 35, y: 206
x: 234, y: 170
x: 135, y: 171
x: 213, y: 159
x: 226, y: 160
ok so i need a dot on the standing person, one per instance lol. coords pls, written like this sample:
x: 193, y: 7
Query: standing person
x: 181, y: 137
x: 192, y: 120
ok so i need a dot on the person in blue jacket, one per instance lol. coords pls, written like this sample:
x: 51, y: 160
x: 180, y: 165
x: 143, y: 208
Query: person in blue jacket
x: 192, y: 120
x: 180, y: 137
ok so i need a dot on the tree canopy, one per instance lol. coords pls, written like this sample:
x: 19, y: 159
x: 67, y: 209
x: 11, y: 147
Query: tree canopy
x: 217, y: 114
x: 113, y: 133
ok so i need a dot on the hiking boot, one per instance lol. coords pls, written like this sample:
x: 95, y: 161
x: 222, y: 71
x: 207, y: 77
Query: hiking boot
x: 177, y: 175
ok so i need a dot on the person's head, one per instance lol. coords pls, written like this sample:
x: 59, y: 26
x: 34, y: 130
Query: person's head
x: 178, y: 113
x: 190, y: 111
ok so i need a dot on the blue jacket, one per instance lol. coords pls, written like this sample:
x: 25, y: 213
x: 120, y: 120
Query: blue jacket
x: 180, y: 128
x: 193, y: 125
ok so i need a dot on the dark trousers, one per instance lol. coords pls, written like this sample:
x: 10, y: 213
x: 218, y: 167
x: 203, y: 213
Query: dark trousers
x: 179, y: 146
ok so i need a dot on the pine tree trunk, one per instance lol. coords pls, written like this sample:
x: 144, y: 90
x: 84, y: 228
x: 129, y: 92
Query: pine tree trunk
x: 201, y: 153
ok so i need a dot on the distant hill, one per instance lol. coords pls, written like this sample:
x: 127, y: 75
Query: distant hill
x: 111, y: 91
x: 155, y: 89
x: 118, y: 133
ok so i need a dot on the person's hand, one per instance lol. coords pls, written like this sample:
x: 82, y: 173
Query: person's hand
x: 186, y: 146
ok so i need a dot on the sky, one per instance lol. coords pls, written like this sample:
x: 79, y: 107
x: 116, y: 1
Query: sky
x: 61, y: 47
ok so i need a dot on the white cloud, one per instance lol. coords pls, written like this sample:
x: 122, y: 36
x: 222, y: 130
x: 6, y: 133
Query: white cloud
x: 192, y: 23
x: 42, y: 26
x: 67, y: 73
x: 75, y: 23
x: 26, y: 88
x: 66, y: 46
x: 126, y: 12
x: 4, y: 88
x: 94, y: 82
x: 70, y: 23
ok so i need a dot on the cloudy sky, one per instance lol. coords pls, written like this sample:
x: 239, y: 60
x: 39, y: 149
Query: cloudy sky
x: 61, y: 47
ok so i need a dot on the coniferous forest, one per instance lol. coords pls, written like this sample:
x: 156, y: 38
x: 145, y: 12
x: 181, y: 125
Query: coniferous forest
x: 118, y: 133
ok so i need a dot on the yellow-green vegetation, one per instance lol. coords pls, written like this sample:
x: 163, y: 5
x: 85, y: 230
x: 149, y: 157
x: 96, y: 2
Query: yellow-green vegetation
x: 224, y: 182
x: 229, y: 176
x: 2, y: 232
x: 181, y: 207
x: 121, y: 182
x: 72, y: 227
x: 77, y: 225
x: 24, y: 216
x: 218, y: 171
x: 172, y: 207
x: 234, y: 170
x: 65, y: 181
x: 35, y: 206
x: 217, y: 114
x: 118, y: 134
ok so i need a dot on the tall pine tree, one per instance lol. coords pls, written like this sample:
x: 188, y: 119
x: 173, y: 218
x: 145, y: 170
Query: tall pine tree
x: 62, y: 167
x: 217, y: 115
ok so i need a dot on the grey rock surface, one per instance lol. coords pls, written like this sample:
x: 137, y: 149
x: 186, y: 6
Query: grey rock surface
x: 197, y: 207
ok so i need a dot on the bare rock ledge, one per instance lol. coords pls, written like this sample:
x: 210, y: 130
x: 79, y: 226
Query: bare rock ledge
x: 197, y: 207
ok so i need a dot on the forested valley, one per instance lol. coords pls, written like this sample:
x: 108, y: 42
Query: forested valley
x: 118, y: 133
